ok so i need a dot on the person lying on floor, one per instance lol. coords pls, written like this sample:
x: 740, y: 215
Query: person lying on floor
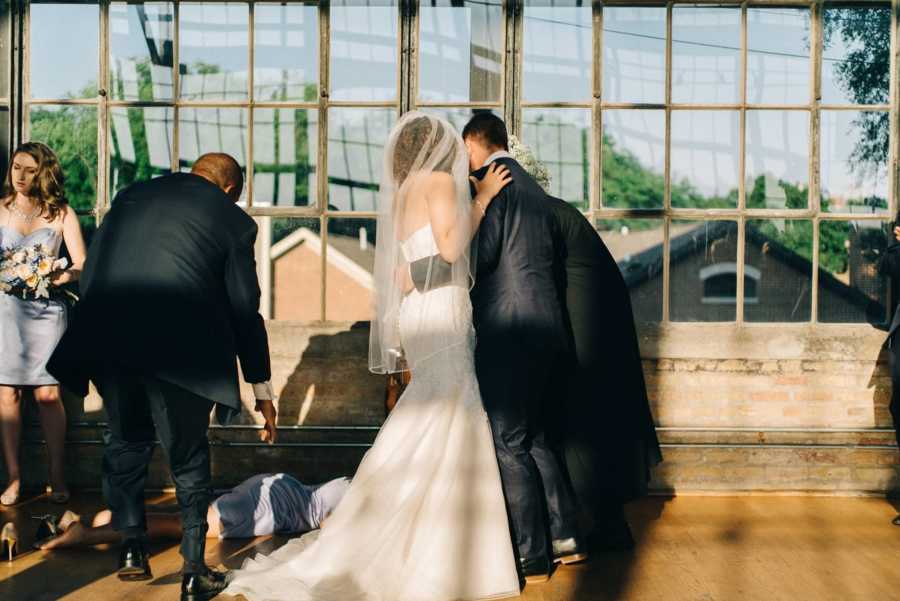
x: 262, y: 505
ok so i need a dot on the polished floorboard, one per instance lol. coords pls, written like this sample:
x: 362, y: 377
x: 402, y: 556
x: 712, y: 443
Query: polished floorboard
x: 690, y: 548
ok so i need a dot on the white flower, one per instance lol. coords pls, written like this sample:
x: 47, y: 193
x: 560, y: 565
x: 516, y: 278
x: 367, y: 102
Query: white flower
x: 525, y: 157
x: 44, y: 266
x: 4, y: 287
x: 18, y: 256
x: 60, y: 264
x: 24, y: 271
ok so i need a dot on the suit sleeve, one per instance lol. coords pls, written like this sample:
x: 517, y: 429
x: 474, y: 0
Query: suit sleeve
x: 890, y: 261
x: 490, y: 234
x: 243, y: 291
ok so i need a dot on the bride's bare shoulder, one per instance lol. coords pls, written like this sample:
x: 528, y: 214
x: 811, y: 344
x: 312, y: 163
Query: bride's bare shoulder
x: 439, y: 183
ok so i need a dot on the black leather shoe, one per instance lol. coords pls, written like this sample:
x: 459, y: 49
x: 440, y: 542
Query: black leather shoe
x: 535, y: 570
x: 134, y: 561
x: 568, y: 550
x: 201, y: 586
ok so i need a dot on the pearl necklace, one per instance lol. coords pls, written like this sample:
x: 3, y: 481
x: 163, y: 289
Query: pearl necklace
x: 14, y: 207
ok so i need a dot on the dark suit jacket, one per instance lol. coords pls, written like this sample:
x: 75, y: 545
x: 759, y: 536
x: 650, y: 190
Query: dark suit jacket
x: 607, y: 410
x: 169, y: 287
x: 514, y: 300
x: 890, y: 266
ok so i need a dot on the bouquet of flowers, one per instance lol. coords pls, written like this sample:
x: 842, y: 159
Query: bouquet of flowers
x: 25, y: 272
x: 525, y: 157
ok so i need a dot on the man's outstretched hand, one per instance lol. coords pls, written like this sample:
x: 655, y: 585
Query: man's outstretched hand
x: 269, y: 432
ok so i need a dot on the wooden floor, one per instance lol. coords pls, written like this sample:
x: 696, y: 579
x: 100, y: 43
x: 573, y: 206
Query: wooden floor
x: 689, y: 548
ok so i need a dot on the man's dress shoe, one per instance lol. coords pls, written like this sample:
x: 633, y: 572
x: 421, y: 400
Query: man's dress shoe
x: 568, y: 550
x: 201, y: 586
x: 134, y: 561
x: 535, y: 570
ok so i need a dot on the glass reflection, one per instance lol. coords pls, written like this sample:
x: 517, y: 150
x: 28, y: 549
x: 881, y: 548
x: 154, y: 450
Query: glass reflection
x: 350, y: 264
x: 850, y: 288
x: 356, y: 139
x: 285, y: 145
x: 705, y: 160
x: 703, y: 271
x: 558, y: 56
x: 706, y: 54
x: 213, y: 51
x: 141, y: 51
x: 561, y: 139
x: 778, y: 64
x: 286, y: 52
x: 289, y: 256
x: 140, y: 144
x: 854, y: 154
x: 777, y: 159
x: 364, y: 49
x: 856, y: 54
x: 202, y: 130
x: 778, y: 270
x: 634, y: 158
x: 461, y: 51
x: 637, y: 247
x: 71, y: 131
x: 634, y: 54
x: 72, y: 73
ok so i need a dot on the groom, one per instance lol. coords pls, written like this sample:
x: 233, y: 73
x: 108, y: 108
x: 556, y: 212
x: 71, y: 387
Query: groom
x: 522, y: 338
x: 169, y: 298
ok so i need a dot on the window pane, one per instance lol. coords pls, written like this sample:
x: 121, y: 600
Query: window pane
x: 706, y: 54
x: 561, y: 139
x: 461, y: 51
x: 140, y: 51
x: 213, y: 51
x: 4, y: 139
x: 4, y: 48
x: 856, y: 55
x: 356, y: 139
x: 202, y: 130
x: 289, y: 256
x: 636, y: 245
x: 286, y: 53
x: 705, y: 159
x: 364, y: 49
x: 64, y: 64
x: 457, y: 117
x: 140, y: 144
x: 558, y: 55
x: 634, y: 54
x: 850, y: 288
x: 703, y: 271
x: 854, y: 156
x: 285, y: 147
x: 778, y: 65
x: 71, y: 131
x: 634, y: 144
x: 778, y: 270
x: 350, y: 259
x: 777, y: 160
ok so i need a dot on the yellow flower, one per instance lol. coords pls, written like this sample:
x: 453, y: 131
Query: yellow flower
x: 23, y: 272
x: 32, y: 282
x: 45, y: 266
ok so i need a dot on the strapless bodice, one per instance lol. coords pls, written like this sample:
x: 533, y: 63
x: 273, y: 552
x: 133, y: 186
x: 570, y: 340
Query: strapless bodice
x: 419, y: 244
x: 11, y: 238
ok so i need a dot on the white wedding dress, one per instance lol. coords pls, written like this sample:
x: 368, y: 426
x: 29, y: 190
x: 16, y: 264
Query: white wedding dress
x: 424, y: 518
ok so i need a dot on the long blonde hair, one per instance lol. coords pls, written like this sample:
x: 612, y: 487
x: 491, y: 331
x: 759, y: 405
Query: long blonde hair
x: 48, y: 186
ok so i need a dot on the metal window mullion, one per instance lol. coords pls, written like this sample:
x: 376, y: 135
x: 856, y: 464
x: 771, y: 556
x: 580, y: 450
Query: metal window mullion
x: 16, y: 74
x: 513, y: 59
x: 596, y: 167
x: 409, y: 55
x: 321, y: 166
x: 740, y: 250
x: 667, y: 169
x: 816, y: 17
x: 251, y: 57
x: 894, y: 159
x: 176, y: 87
x: 25, y: 53
x: 103, y: 158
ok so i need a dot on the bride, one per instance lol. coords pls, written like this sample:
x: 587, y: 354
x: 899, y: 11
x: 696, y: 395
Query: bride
x: 424, y: 518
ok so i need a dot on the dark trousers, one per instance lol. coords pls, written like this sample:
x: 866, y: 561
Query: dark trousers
x: 895, y: 382
x: 514, y: 386
x: 139, y: 407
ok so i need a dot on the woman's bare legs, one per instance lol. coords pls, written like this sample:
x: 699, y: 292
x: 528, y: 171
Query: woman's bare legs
x: 11, y: 431
x: 53, y: 422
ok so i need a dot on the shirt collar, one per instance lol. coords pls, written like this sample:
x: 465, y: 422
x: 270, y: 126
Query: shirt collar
x: 500, y: 154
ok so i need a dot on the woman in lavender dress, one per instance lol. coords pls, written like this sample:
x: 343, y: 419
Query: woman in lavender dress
x: 33, y: 210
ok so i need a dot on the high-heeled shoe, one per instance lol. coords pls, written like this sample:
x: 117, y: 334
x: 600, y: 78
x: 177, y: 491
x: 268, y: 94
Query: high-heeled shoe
x: 9, y: 539
x: 10, y: 496
x: 50, y: 526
